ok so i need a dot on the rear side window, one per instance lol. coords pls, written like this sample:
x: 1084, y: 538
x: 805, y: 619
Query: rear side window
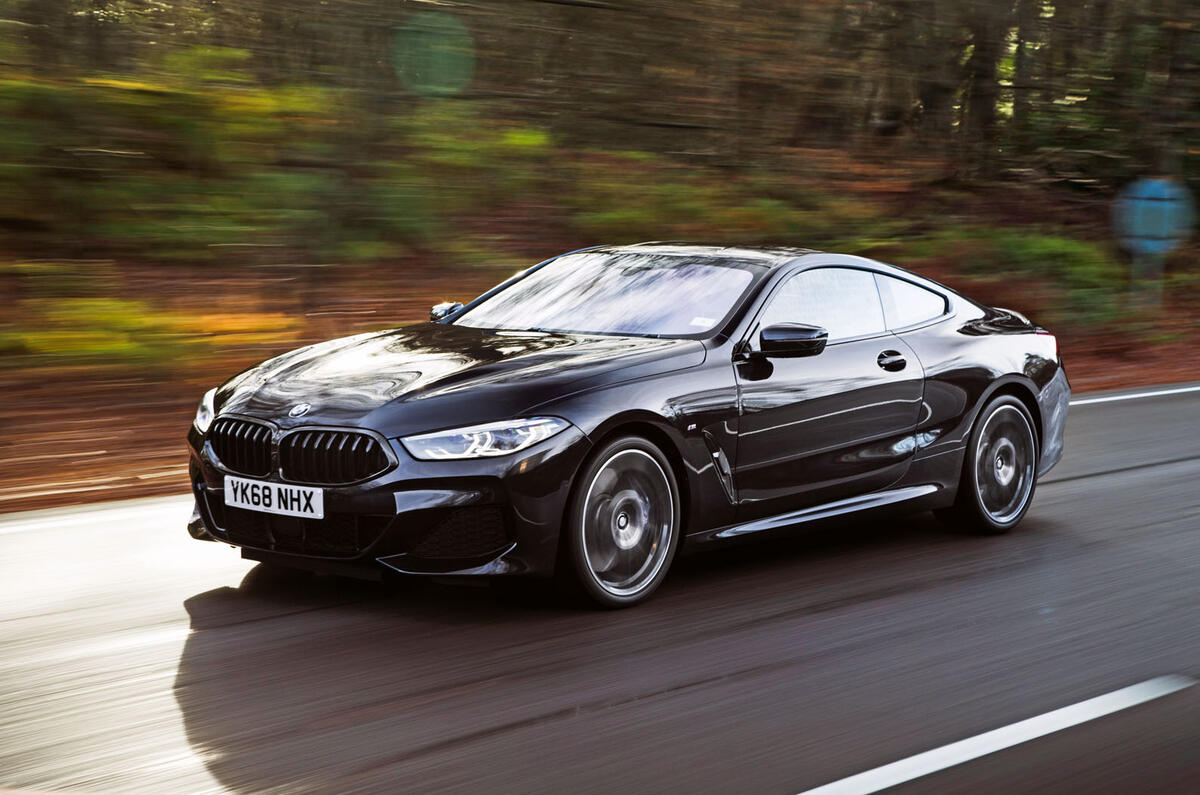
x: 906, y: 304
x: 842, y: 301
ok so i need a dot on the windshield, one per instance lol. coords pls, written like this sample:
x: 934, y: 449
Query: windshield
x: 635, y: 294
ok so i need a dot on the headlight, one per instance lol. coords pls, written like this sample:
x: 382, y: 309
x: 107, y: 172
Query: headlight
x: 205, y: 411
x: 483, y: 441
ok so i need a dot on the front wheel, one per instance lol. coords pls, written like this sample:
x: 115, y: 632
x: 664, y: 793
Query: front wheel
x: 624, y: 523
x: 999, y: 471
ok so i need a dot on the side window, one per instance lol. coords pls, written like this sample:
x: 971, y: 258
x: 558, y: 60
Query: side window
x: 905, y: 303
x: 843, y: 301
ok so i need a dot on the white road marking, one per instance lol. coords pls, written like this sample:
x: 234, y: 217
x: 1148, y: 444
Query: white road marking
x: 1136, y: 395
x: 998, y: 739
x: 174, y: 509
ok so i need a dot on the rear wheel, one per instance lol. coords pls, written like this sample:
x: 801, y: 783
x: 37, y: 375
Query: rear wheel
x: 999, y: 470
x: 624, y: 523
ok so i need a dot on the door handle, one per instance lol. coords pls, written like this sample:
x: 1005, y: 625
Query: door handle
x: 892, y: 361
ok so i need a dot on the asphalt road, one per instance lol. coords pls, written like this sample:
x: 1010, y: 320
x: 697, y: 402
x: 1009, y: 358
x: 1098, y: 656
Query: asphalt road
x: 135, y: 659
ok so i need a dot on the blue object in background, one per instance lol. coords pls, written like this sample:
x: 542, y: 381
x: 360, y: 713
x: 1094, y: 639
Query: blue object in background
x: 1153, y: 215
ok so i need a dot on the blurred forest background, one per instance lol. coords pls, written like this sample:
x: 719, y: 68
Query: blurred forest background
x: 189, y: 186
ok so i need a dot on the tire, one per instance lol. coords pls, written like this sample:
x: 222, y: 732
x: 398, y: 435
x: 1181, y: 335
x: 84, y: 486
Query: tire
x: 623, y: 524
x: 999, y: 473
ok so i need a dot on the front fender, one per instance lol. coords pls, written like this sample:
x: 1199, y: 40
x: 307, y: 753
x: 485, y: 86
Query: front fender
x: 683, y: 412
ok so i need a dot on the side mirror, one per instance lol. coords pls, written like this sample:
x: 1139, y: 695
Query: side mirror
x: 792, y: 339
x: 444, y: 310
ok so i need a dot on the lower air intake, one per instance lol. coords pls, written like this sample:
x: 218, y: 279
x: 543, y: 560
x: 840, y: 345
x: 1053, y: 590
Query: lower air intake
x: 464, y: 533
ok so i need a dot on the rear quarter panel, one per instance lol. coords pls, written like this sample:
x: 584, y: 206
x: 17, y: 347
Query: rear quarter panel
x: 967, y: 358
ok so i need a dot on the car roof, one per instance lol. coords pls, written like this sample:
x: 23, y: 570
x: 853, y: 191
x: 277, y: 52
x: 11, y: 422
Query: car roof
x: 769, y: 256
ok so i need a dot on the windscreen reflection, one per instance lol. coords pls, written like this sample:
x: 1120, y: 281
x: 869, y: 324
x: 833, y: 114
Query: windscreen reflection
x: 618, y: 293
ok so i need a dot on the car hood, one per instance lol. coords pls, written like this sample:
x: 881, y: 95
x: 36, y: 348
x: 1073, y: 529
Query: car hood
x: 434, y: 375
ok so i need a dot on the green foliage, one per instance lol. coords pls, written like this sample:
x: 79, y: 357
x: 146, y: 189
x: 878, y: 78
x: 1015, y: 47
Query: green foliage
x: 1088, y: 283
x: 98, y: 331
x: 107, y: 331
x: 207, y: 64
x: 624, y: 198
x: 202, y: 155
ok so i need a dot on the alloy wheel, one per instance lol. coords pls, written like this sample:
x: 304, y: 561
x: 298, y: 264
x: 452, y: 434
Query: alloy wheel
x: 1004, y: 464
x: 628, y: 523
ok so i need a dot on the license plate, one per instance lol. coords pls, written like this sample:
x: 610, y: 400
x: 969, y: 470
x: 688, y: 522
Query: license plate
x: 280, y: 498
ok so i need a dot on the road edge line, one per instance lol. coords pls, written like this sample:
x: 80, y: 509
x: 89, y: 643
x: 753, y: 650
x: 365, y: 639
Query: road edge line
x: 990, y: 742
x: 1135, y: 395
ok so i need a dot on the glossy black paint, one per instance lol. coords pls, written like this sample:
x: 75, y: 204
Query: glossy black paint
x: 751, y: 436
x: 433, y: 375
x: 791, y: 339
x: 823, y: 428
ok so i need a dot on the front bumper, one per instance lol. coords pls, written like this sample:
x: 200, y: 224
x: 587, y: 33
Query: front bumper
x: 497, y: 516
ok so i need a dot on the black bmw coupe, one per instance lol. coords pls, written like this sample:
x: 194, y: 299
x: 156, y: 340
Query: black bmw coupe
x: 592, y: 415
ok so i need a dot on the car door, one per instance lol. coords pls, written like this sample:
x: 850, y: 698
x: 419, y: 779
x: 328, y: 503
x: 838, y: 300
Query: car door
x: 824, y: 427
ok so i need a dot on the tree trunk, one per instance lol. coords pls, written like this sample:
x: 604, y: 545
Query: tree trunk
x: 1023, y: 74
x: 50, y: 22
x: 988, y: 27
x: 938, y: 48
